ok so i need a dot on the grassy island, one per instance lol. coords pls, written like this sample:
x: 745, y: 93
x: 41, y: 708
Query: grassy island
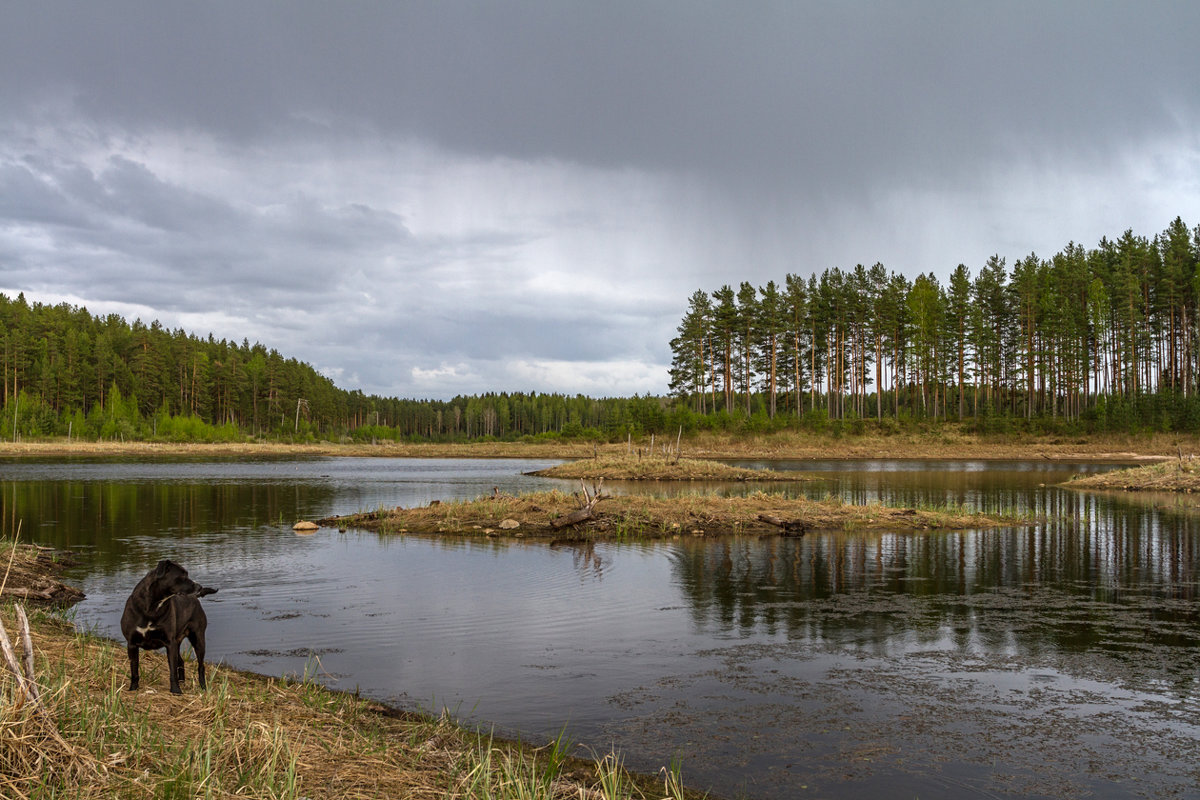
x: 1182, y: 475
x: 248, y: 735
x: 533, y: 515
x: 622, y: 467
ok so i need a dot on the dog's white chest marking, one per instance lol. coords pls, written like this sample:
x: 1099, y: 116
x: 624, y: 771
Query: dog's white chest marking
x: 149, y: 626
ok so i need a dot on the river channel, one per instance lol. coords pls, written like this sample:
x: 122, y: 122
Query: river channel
x: 1058, y: 660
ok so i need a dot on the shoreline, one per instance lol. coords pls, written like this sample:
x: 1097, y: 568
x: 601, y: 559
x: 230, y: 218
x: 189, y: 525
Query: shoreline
x: 942, y: 444
x: 87, y: 734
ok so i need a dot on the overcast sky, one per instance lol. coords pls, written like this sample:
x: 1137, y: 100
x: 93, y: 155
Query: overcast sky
x: 426, y: 199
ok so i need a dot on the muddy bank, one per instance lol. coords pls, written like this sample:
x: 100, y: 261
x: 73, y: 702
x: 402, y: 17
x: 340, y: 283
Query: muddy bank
x: 30, y: 574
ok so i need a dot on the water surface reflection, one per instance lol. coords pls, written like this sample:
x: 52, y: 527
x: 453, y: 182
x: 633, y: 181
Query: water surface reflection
x: 1058, y: 660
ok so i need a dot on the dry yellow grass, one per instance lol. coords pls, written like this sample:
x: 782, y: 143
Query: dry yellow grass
x: 946, y: 440
x: 943, y: 441
x: 250, y: 736
x: 149, y: 450
x: 623, y: 467
x: 1176, y: 475
x: 643, y: 516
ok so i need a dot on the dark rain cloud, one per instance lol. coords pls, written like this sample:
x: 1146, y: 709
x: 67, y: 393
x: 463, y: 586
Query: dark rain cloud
x: 443, y: 197
x: 821, y: 91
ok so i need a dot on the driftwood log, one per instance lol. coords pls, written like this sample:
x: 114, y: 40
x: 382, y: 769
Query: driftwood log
x: 584, y: 512
x: 791, y: 527
x: 21, y: 591
x: 44, y: 591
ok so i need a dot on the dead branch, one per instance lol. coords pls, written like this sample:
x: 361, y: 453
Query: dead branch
x: 21, y: 591
x: 27, y: 645
x: 791, y: 527
x: 10, y: 661
x: 584, y: 512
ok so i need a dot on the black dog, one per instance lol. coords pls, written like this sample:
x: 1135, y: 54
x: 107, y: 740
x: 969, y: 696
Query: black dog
x: 164, y: 609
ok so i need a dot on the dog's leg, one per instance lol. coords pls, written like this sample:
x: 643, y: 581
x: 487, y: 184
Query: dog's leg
x: 198, y: 648
x: 174, y: 665
x: 133, y: 669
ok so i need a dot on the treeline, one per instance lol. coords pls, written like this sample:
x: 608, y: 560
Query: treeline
x: 1108, y: 337
x: 66, y: 372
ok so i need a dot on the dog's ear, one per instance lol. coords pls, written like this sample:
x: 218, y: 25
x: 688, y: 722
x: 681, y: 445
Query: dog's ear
x: 162, y: 568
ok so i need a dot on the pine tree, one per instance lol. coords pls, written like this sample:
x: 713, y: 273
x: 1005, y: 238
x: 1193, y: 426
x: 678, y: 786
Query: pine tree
x: 747, y: 333
x: 796, y: 300
x: 959, y: 308
x: 772, y: 325
x: 725, y: 329
x: 689, y: 366
x: 925, y: 305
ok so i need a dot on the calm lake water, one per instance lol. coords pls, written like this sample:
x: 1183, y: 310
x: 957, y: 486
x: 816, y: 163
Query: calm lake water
x: 1054, y: 661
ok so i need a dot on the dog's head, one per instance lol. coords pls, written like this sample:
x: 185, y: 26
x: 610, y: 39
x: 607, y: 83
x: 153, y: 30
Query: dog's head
x: 169, y: 578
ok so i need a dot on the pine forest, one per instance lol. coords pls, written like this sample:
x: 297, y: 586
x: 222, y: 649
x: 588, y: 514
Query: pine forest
x: 69, y: 373
x: 1100, y: 339
x: 1106, y: 338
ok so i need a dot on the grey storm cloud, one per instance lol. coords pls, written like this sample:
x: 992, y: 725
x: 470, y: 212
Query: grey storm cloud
x: 813, y: 90
x: 432, y: 198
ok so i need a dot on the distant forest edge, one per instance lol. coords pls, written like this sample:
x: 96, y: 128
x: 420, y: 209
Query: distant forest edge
x: 1106, y: 339
x: 67, y: 372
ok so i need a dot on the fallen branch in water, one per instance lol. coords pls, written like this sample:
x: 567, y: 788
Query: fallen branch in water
x: 791, y: 527
x: 584, y: 512
x: 20, y: 591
